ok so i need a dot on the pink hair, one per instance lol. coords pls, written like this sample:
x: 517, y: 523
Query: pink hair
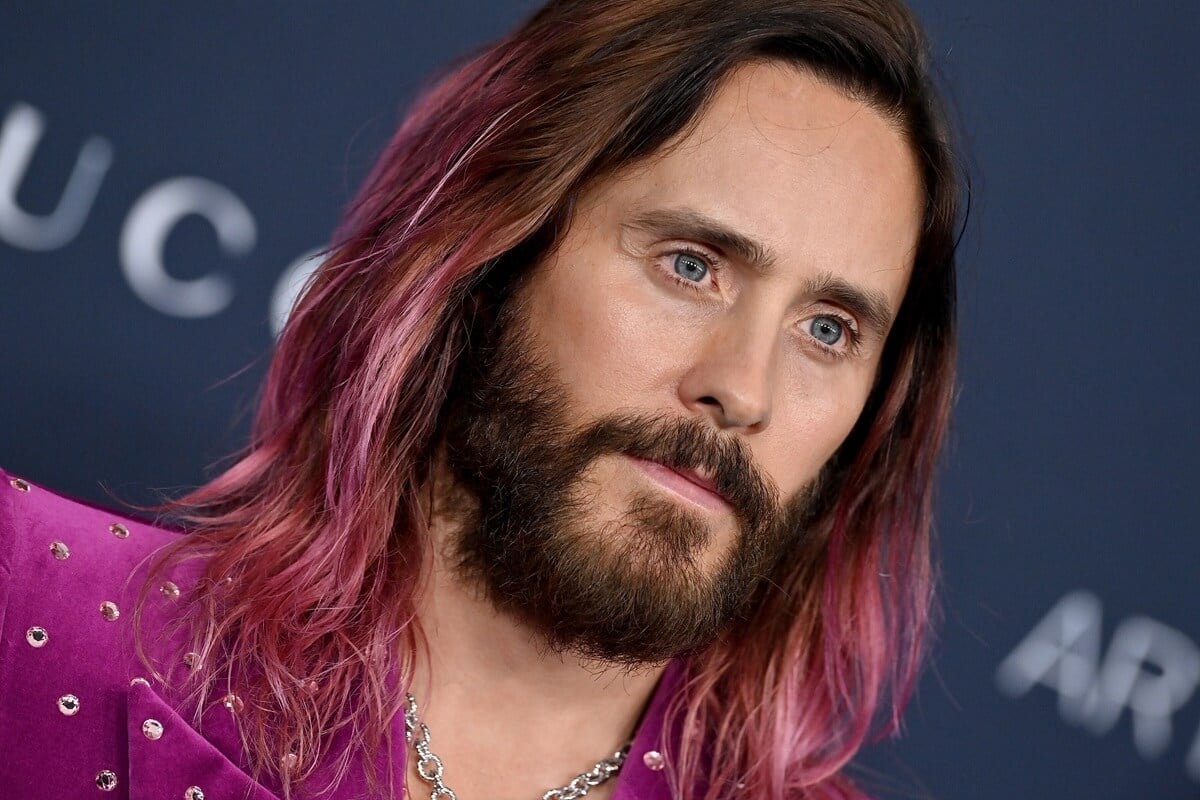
x: 317, y: 527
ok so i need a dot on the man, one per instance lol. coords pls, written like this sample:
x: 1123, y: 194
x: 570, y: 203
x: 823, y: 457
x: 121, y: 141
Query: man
x: 596, y: 458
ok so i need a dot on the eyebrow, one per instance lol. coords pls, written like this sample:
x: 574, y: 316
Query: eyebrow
x: 688, y: 224
x: 869, y: 306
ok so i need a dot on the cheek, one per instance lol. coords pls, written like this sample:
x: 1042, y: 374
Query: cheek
x: 809, y: 427
x: 612, y: 342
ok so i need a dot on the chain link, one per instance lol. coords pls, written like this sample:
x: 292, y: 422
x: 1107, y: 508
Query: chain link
x: 431, y: 768
x: 582, y: 784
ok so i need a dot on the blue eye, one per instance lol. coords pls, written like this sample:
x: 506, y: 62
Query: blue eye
x: 826, y: 330
x: 690, y: 267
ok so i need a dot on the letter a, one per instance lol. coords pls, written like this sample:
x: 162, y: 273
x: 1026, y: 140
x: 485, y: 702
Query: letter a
x: 1061, y: 652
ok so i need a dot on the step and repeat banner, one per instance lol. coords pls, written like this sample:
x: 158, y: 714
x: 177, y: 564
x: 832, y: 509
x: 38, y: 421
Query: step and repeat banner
x: 168, y: 171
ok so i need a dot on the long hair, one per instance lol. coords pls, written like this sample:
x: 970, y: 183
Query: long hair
x: 311, y: 542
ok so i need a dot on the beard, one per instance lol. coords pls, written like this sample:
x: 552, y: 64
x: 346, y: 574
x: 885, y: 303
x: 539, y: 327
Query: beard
x: 630, y: 591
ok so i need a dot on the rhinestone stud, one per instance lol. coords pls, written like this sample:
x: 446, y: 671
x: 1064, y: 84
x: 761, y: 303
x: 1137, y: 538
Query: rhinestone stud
x: 106, y: 780
x: 19, y: 485
x: 192, y: 660
x: 118, y: 530
x: 289, y: 762
x: 234, y: 703
x: 139, y: 681
x: 193, y: 793
x: 152, y: 729
x: 68, y: 704
x: 109, y: 610
x: 37, y: 636
x: 654, y: 760
x: 169, y: 590
x: 60, y: 550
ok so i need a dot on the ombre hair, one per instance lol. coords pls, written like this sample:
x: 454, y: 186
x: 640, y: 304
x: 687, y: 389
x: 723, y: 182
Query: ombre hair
x: 311, y: 542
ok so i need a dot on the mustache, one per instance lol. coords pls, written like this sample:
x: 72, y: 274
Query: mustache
x: 689, y: 445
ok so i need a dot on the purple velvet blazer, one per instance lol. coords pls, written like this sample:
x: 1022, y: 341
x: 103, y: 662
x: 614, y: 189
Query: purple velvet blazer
x: 79, y: 715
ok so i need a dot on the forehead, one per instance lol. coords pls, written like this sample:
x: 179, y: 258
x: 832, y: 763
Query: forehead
x: 820, y: 179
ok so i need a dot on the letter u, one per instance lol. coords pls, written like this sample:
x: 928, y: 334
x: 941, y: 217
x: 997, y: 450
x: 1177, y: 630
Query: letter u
x: 19, y: 137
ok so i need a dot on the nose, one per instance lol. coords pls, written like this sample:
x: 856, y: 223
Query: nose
x: 732, y: 378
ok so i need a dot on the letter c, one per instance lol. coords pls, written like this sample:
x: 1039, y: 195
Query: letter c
x: 145, y: 233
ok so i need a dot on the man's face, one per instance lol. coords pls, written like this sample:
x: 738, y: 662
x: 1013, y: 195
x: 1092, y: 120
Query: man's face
x: 692, y: 352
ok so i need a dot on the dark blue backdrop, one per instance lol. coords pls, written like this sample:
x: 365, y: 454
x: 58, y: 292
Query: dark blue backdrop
x: 1068, y: 662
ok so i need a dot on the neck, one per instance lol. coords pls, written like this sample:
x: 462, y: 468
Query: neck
x: 509, y: 717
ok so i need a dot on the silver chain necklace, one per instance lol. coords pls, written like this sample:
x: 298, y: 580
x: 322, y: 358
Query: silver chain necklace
x: 430, y: 767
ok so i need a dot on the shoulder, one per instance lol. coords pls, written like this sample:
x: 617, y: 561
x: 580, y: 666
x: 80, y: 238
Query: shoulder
x: 28, y: 510
x: 78, y: 711
x: 68, y: 561
x: 67, y: 592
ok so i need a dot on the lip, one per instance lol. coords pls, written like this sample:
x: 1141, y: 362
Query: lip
x: 689, y: 485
